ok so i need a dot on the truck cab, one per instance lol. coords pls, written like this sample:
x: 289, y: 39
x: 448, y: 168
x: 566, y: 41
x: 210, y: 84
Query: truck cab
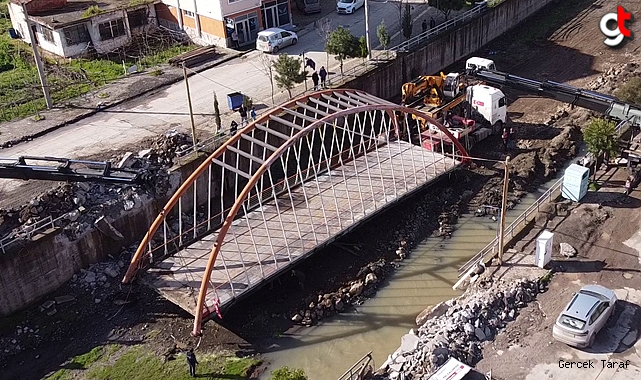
x: 490, y: 103
x: 476, y: 63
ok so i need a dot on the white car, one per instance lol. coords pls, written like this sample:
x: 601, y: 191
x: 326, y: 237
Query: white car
x: 348, y: 6
x: 585, y: 316
x: 273, y: 39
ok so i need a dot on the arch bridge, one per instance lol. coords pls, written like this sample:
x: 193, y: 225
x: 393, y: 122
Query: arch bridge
x: 287, y: 184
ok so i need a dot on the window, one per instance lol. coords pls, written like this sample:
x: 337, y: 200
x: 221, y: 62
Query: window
x: 502, y: 102
x: 286, y: 34
x: 47, y: 33
x: 76, y: 35
x: 572, y: 322
x: 189, y: 14
x: 138, y: 18
x: 597, y: 313
x: 112, y: 29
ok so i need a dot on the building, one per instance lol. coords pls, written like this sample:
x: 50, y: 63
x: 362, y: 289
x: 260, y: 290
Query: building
x: 73, y: 28
x: 212, y: 22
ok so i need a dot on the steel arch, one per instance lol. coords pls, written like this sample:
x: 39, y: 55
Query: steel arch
x: 356, y: 102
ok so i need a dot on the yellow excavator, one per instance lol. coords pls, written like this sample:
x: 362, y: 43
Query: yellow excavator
x: 428, y: 86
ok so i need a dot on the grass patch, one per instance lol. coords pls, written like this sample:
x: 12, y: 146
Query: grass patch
x: 20, y: 88
x: 137, y: 363
x: 593, y: 186
x: 93, y: 10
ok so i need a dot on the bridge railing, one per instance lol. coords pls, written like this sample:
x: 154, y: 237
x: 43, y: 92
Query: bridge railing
x: 514, y: 228
x: 360, y: 369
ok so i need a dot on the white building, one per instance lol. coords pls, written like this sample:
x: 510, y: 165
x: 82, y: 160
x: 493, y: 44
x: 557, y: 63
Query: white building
x: 68, y: 29
x: 211, y: 22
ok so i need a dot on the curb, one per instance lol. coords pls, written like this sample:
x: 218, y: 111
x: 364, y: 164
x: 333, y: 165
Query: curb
x: 94, y: 111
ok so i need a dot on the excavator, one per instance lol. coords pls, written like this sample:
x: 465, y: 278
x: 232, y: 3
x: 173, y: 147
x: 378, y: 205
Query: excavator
x: 434, y: 89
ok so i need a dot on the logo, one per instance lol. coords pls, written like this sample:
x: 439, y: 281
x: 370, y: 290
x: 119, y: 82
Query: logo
x: 617, y: 35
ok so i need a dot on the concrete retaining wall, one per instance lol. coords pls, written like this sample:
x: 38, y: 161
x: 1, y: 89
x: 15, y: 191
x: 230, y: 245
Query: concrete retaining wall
x: 450, y: 47
x: 51, y: 259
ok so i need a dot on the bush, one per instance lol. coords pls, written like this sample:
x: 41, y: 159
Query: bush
x: 286, y: 373
x: 630, y: 92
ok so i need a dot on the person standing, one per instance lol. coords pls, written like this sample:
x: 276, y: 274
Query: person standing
x: 323, y: 75
x: 233, y: 128
x: 628, y: 186
x: 424, y: 25
x: 234, y: 39
x: 505, y: 137
x: 252, y: 114
x: 191, y: 361
x: 512, y: 138
x: 315, y: 80
x: 432, y: 23
x: 243, y: 115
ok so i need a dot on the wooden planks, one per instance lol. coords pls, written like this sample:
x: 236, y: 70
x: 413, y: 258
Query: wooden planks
x: 265, y: 242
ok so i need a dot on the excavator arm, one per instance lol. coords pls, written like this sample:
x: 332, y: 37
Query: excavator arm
x: 63, y: 169
x: 604, y: 104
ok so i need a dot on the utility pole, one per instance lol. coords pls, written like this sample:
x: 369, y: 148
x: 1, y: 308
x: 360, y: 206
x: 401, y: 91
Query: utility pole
x: 503, y: 209
x: 191, y: 111
x: 36, y: 57
x: 369, y: 46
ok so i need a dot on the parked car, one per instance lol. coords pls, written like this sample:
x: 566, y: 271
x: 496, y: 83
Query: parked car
x: 348, y: 6
x: 273, y: 39
x: 585, y: 316
x: 308, y: 6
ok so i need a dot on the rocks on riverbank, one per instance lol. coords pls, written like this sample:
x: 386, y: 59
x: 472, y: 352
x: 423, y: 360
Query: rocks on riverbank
x: 458, y: 327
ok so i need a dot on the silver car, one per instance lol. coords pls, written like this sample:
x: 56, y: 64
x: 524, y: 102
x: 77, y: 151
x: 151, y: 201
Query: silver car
x: 585, y: 316
x: 273, y: 39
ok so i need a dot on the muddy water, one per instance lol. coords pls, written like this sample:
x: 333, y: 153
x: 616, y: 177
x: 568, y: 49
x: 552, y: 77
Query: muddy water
x: 327, y: 350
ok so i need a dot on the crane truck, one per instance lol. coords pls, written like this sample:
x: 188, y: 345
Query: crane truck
x: 486, y: 105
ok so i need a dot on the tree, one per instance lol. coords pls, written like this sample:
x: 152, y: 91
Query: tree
x: 447, y: 6
x: 286, y: 373
x: 363, y: 46
x: 383, y: 35
x: 406, y: 23
x: 630, y: 92
x: 342, y: 44
x: 601, y: 138
x: 266, y: 68
x: 288, y: 72
x: 324, y: 29
x: 217, y: 113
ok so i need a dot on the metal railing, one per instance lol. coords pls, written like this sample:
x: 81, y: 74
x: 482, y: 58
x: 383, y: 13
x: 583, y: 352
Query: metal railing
x: 359, y: 369
x: 514, y: 228
x: 26, y: 232
x: 422, y: 38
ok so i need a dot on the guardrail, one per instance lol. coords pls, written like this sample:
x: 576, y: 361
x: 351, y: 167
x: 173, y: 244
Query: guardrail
x: 422, y: 38
x: 360, y: 369
x: 219, y: 138
x: 513, y: 229
x: 26, y: 232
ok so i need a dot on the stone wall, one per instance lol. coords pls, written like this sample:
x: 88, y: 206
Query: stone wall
x: 447, y: 49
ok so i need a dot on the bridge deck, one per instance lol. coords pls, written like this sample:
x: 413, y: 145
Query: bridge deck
x: 264, y: 245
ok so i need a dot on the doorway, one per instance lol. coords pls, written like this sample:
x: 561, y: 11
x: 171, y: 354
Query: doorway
x: 247, y: 28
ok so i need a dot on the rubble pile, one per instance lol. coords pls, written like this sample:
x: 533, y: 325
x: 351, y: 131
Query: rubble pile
x: 457, y: 328
x: 615, y: 76
x: 80, y: 205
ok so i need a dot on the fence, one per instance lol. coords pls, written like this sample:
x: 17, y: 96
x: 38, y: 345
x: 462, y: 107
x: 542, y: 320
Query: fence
x: 514, y: 228
x: 422, y: 38
x: 26, y: 232
x: 360, y: 369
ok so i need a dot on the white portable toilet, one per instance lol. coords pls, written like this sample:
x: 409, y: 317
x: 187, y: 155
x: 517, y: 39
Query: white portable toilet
x: 576, y: 180
x: 544, y: 248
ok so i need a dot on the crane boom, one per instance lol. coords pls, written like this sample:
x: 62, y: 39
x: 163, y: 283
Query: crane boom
x: 604, y: 104
x: 63, y: 169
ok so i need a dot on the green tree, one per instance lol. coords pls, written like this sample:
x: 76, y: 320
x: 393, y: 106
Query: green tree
x: 406, y: 23
x: 601, y: 138
x: 383, y: 35
x: 343, y: 45
x: 288, y: 72
x: 363, y: 46
x: 286, y: 373
x: 447, y: 6
x: 630, y: 92
x: 217, y: 113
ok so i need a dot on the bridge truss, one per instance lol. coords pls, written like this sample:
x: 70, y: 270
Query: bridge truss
x: 291, y: 181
